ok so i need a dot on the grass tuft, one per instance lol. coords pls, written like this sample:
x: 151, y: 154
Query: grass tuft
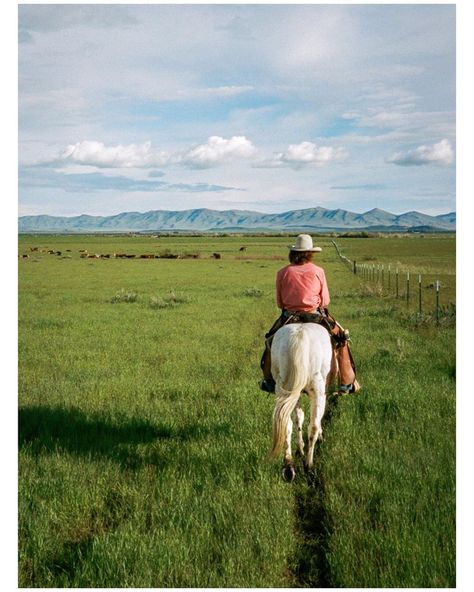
x: 169, y: 300
x: 124, y: 296
x: 253, y: 292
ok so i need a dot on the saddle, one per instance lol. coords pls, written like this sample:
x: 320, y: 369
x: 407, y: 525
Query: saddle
x: 321, y: 317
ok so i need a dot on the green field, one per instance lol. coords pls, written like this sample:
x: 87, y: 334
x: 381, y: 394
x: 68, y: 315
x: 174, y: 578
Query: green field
x: 143, y: 437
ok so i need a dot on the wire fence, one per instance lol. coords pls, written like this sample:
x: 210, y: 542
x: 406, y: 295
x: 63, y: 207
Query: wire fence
x: 392, y: 281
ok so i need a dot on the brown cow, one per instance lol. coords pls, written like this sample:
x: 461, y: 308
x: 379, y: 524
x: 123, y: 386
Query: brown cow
x: 216, y: 255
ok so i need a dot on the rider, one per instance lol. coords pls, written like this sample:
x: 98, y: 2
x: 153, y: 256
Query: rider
x: 301, y: 287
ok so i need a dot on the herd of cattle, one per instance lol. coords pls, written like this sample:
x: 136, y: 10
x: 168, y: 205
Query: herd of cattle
x: 84, y: 254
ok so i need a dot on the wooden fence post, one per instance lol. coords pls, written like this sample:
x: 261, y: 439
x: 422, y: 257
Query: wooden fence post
x: 419, y: 293
x: 408, y: 287
x: 437, y: 302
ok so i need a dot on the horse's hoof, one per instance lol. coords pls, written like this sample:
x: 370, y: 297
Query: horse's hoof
x: 289, y: 473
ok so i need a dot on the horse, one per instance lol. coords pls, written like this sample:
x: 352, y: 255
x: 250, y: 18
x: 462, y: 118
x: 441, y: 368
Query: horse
x: 301, y: 361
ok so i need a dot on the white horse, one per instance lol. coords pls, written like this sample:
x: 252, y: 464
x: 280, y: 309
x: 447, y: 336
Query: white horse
x: 301, y: 361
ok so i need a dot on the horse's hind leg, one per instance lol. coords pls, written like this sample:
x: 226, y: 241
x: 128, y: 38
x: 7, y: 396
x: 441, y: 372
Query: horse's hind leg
x: 299, y: 428
x: 317, y: 394
x: 289, y: 467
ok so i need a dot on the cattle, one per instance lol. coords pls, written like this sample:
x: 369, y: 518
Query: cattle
x: 242, y: 248
x: 25, y: 256
x: 216, y: 255
x: 147, y: 256
x: 33, y: 248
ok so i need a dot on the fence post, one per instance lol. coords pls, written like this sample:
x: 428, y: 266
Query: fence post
x: 408, y: 287
x: 382, y: 276
x: 437, y: 302
x: 389, y: 276
x: 419, y: 293
x: 355, y: 268
x: 396, y: 282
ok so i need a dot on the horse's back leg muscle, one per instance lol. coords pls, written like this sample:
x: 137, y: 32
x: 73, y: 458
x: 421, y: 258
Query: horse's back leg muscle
x: 299, y: 428
x: 317, y: 395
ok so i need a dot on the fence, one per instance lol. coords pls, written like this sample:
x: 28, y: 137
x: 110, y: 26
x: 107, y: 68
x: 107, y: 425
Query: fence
x: 390, y: 281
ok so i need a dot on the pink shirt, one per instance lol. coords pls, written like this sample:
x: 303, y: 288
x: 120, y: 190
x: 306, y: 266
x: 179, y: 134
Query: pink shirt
x: 301, y: 287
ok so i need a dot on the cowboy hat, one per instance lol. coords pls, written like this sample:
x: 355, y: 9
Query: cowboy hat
x: 304, y: 242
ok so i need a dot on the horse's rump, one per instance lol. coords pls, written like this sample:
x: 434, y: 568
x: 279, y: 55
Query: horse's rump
x: 299, y: 351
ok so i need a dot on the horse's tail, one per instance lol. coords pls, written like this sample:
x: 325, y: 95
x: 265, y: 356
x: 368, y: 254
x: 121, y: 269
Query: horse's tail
x: 288, y: 393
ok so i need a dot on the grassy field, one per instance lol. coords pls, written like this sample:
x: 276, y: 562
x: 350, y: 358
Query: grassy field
x: 143, y: 437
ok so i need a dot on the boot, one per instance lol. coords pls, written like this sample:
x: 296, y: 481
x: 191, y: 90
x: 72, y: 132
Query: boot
x: 347, y: 376
x: 267, y: 384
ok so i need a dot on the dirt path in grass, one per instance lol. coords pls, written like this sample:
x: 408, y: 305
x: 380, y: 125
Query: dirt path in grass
x: 310, y: 565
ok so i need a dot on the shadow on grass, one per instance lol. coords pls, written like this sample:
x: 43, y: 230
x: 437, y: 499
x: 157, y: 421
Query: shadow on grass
x: 52, y: 430
x: 311, y: 566
x: 49, y: 429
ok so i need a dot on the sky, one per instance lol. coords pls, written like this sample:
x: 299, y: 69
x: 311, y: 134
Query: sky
x: 263, y: 107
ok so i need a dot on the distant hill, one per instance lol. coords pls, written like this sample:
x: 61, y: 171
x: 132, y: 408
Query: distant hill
x: 202, y: 219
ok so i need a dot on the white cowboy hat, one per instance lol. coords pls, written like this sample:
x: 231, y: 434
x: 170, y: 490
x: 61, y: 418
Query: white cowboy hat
x: 304, y: 242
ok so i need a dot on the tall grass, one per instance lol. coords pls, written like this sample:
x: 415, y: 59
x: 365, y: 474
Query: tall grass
x: 144, y: 437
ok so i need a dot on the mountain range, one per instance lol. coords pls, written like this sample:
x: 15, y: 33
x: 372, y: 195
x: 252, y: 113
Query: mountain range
x: 202, y: 219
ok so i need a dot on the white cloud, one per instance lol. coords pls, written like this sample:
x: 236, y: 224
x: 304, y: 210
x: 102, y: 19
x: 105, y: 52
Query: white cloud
x: 97, y: 154
x: 305, y: 154
x: 441, y: 153
x: 215, y: 151
x: 218, y: 150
